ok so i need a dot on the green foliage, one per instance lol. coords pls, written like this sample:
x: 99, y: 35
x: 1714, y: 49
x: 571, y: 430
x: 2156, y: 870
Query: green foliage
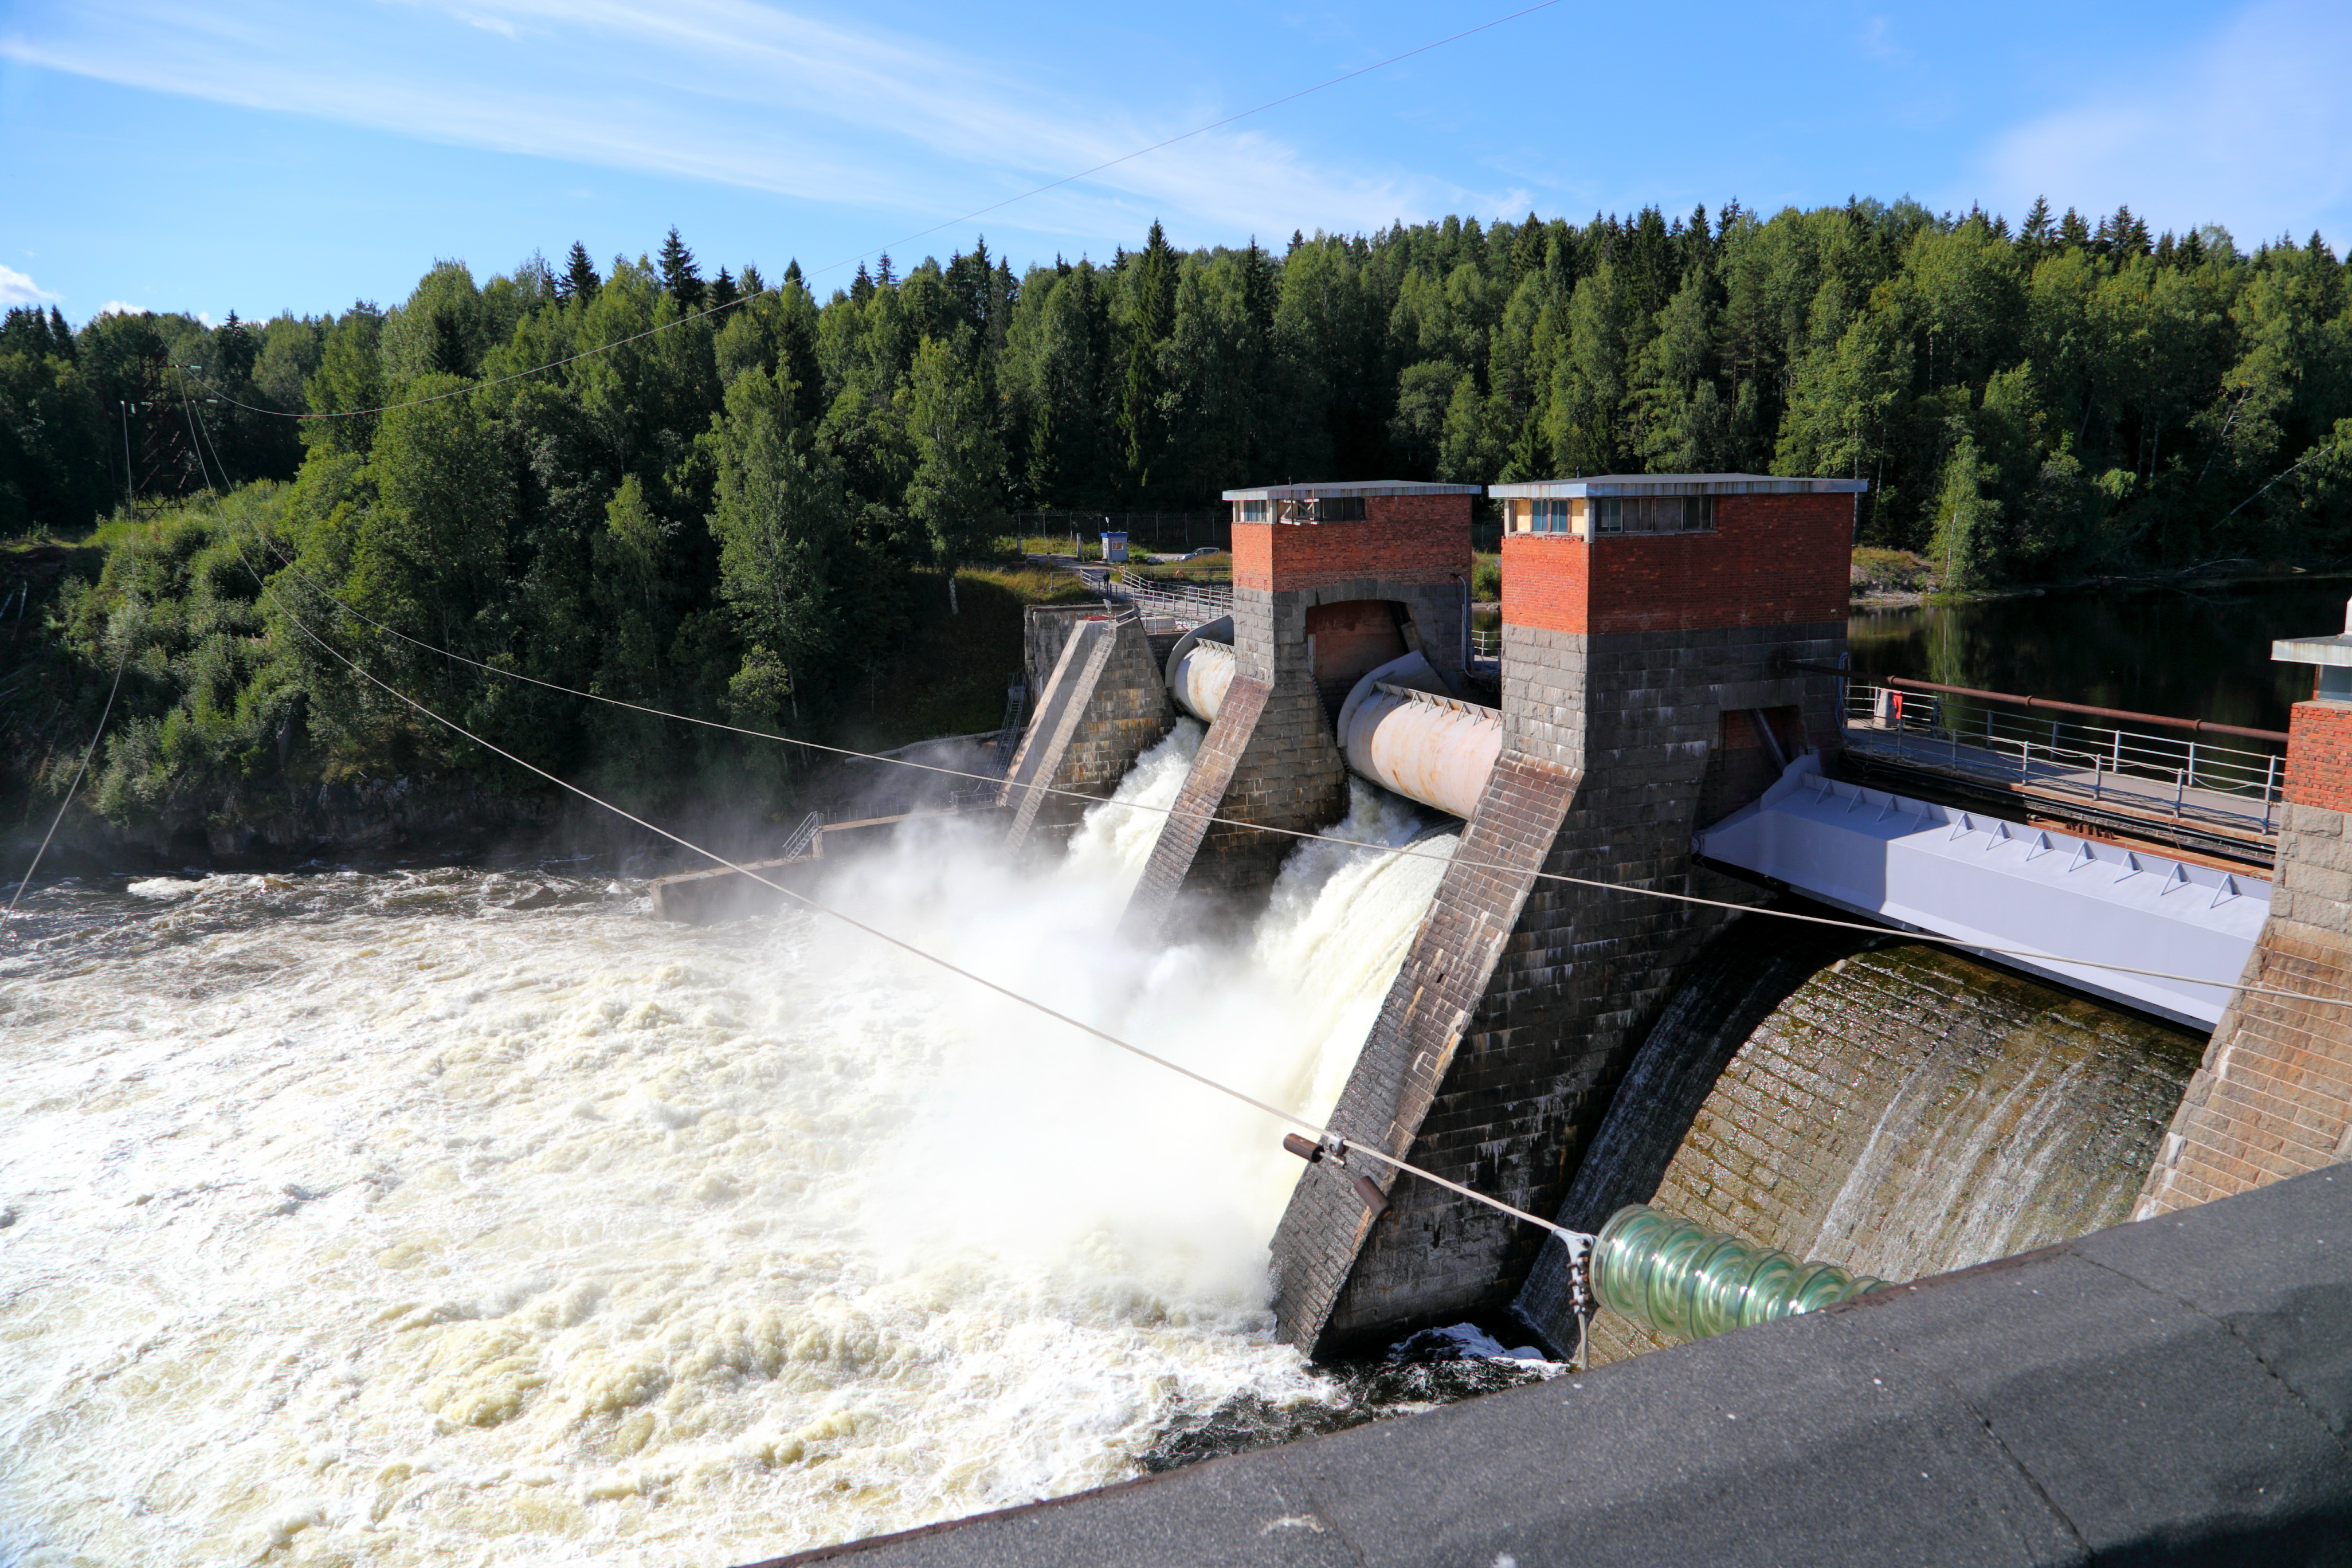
x: 745, y: 514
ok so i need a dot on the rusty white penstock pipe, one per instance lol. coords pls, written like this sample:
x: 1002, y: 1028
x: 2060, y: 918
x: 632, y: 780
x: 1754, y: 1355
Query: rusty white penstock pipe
x: 1201, y: 667
x: 1399, y: 730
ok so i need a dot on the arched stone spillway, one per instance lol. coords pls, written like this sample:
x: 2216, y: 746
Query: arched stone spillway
x: 1883, y: 1104
x: 1398, y: 727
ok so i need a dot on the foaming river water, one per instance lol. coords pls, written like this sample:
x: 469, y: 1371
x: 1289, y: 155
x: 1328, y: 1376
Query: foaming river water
x: 455, y: 1216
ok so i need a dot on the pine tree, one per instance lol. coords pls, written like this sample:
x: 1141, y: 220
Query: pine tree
x: 62, y: 338
x: 723, y: 292
x: 2128, y: 233
x: 752, y: 283
x: 1154, y: 318
x: 579, y: 281
x: 2073, y: 232
x: 2034, y: 239
x: 861, y: 287
x: 882, y: 276
x: 678, y: 273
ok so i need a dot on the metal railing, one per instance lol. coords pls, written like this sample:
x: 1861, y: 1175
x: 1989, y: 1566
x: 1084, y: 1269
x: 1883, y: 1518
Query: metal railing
x: 1485, y: 644
x: 807, y: 840
x: 1186, y: 603
x: 2191, y: 778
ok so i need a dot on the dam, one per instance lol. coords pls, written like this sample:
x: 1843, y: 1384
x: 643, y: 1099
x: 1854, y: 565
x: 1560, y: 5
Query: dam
x: 1602, y: 1006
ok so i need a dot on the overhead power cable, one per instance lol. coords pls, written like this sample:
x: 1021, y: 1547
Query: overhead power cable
x: 1981, y: 949
x: 920, y: 234
x: 121, y: 664
x: 1325, y: 1138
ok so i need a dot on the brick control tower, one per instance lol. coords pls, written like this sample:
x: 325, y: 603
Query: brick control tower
x: 1330, y: 581
x: 1649, y: 623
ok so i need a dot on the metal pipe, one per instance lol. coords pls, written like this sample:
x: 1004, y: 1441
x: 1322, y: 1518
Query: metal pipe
x: 1399, y: 729
x: 1200, y: 668
x: 2201, y: 726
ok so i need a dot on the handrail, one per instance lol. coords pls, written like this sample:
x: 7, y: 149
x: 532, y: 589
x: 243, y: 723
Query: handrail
x: 2197, y: 726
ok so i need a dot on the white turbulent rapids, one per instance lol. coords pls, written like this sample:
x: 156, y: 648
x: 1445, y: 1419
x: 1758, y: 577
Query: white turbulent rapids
x: 455, y: 1217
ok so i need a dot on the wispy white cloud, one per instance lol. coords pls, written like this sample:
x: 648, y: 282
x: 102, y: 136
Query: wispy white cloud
x: 122, y: 307
x: 2249, y: 126
x: 17, y: 288
x: 727, y: 90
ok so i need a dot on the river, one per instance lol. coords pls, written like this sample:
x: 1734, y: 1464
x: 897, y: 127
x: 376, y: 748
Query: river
x: 2190, y: 653
x: 455, y: 1215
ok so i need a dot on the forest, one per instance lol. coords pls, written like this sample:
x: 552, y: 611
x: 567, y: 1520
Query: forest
x: 723, y: 495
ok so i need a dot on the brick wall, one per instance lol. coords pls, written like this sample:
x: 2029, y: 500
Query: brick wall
x: 1349, y: 640
x: 1402, y: 539
x: 1771, y: 560
x: 2319, y: 756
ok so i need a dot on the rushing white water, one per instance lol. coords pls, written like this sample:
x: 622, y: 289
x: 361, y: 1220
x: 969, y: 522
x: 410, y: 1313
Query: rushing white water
x: 1114, y: 839
x: 460, y: 1217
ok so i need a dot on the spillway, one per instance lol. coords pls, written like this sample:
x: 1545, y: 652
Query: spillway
x: 406, y: 1217
x: 1888, y: 1106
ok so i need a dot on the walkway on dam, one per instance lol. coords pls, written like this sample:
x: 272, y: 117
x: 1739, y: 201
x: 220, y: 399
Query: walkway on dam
x: 2138, y: 778
x: 2161, y: 805
x: 2006, y: 890
x: 2174, y: 1391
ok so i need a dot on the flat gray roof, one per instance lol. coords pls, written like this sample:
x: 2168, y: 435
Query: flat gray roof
x: 1676, y: 485
x: 1351, y: 487
x: 2314, y: 650
x: 2319, y: 649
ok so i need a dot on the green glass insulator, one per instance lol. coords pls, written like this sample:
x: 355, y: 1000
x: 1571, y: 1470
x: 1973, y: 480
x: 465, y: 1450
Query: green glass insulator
x: 1821, y: 1285
x: 1681, y: 1280
x: 1670, y: 1267
x: 1769, y: 1285
x: 1718, y: 1280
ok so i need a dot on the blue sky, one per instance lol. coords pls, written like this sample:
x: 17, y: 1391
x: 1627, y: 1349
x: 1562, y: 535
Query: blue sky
x: 264, y: 155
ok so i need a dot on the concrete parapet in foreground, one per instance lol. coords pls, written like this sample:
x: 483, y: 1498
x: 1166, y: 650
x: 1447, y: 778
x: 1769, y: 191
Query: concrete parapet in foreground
x: 2176, y: 1391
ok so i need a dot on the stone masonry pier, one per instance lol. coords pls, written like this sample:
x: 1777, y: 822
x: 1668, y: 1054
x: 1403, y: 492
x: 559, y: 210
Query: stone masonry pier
x: 1638, y: 672
x: 1329, y: 582
x: 2274, y: 1095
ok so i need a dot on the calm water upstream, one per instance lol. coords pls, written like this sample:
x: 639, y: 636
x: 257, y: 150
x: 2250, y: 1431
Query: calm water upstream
x: 2189, y: 653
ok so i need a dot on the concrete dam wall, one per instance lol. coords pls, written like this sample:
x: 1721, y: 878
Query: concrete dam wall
x: 1559, y: 1038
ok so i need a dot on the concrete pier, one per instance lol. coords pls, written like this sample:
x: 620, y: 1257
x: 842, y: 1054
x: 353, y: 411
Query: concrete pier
x: 1638, y: 671
x: 1329, y: 583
